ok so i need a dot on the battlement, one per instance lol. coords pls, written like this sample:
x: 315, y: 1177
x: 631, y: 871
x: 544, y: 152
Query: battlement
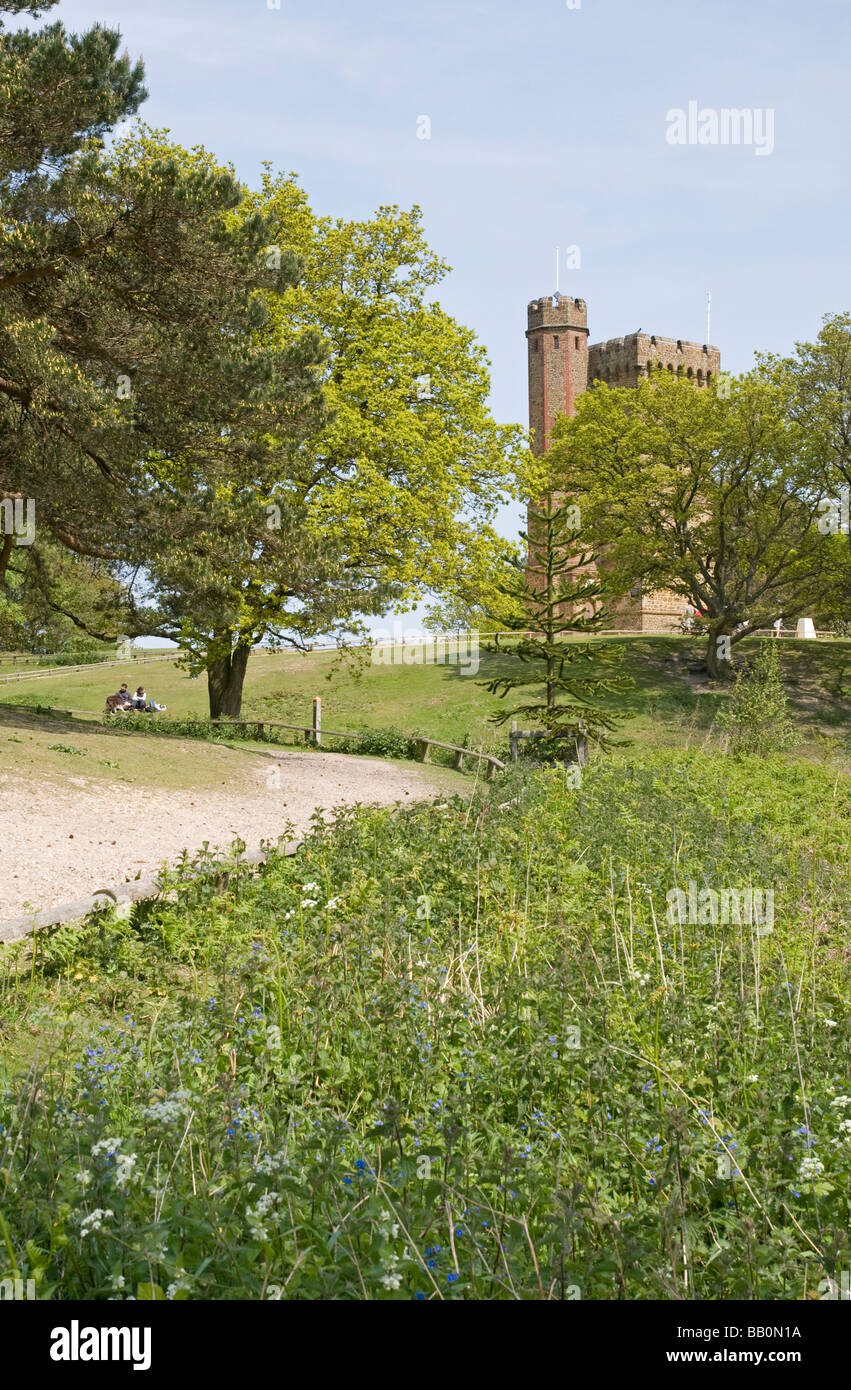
x: 560, y: 312
x: 620, y: 361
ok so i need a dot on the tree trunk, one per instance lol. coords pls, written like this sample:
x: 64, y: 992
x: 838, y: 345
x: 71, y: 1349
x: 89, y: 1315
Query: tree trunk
x: 225, y: 679
x: 718, y: 662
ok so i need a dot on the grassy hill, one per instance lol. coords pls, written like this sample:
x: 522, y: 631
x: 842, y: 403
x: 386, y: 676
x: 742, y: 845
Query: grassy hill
x: 669, y: 704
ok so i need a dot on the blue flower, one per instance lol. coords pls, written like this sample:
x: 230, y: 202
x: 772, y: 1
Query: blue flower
x: 451, y: 1278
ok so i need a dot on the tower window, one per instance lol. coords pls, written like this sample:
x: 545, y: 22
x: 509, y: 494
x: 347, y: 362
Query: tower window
x: 576, y: 342
x: 555, y: 341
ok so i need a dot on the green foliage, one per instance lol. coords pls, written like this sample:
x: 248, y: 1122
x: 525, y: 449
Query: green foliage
x: 756, y: 718
x: 549, y: 597
x: 710, y: 494
x: 456, y: 1053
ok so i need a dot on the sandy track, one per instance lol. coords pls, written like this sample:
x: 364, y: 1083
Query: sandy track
x: 62, y: 841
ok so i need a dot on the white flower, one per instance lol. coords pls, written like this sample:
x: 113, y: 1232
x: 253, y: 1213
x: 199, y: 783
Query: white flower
x: 117, y: 1282
x: 309, y: 902
x: 389, y: 1230
x: 288, y: 915
x: 182, y: 1281
x: 333, y: 903
x: 107, y: 1146
x: 841, y: 1101
x: 830, y: 1023
x: 84, y: 1177
x: 256, y: 1215
x: 845, y: 1127
x: 124, y: 1165
x: 176, y: 1106
x: 94, y: 1221
x: 810, y: 1167
x: 270, y: 1163
x: 310, y: 888
x: 391, y: 1281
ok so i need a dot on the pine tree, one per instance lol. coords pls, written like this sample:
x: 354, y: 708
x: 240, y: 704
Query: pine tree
x: 553, y: 598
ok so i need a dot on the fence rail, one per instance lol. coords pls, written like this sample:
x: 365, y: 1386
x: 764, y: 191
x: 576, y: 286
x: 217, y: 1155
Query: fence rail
x: 314, y: 734
x: 46, y: 671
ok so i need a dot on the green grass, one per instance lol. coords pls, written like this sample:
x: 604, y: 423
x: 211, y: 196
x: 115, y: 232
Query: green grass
x: 662, y: 709
x: 459, y: 1052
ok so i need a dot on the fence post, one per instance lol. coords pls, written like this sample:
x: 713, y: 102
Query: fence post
x: 317, y: 719
x: 422, y: 749
x: 513, y: 739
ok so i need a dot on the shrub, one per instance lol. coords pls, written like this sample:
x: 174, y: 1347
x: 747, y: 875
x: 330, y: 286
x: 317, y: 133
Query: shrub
x: 756, y: 718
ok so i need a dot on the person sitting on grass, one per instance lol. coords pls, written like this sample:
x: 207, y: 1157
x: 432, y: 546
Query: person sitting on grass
x: 141, y: 702
x: 121, y: 700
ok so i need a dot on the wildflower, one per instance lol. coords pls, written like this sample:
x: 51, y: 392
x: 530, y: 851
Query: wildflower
x: 841, y: 1101
x: 107, y: 1146
x: 451, y: 1278
x: 94, y: 1221
x: 809, y: 1167
x: 830, y: 1023
x: 124, y: 1165
x: 84, y: 1177
x: 391, y: 1280
x: 176, y: 1106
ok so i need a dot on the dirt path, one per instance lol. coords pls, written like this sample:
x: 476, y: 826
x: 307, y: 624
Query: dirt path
x: 63, y: 840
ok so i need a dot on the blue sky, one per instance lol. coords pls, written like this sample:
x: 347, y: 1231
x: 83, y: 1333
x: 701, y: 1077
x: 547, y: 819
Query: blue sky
x: 548, y: 128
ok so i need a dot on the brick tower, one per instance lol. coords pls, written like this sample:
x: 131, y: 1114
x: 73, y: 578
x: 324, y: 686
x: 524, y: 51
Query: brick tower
x: 558, y: 362
x: 562, y: 364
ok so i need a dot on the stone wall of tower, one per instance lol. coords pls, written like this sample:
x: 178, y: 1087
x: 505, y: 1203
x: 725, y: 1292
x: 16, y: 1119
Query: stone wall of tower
x: 557, y: 336
x: 623, y: 361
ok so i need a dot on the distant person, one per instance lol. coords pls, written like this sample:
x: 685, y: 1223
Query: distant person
x: 688, y: 617
x: 778, y: 626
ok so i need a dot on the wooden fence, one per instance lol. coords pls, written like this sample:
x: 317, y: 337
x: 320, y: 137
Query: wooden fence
x: 9, y: 677
x: 315, y: 733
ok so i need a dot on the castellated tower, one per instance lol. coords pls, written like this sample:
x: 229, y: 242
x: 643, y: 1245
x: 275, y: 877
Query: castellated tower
x: 562, y: 364
x: 558, y: 362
